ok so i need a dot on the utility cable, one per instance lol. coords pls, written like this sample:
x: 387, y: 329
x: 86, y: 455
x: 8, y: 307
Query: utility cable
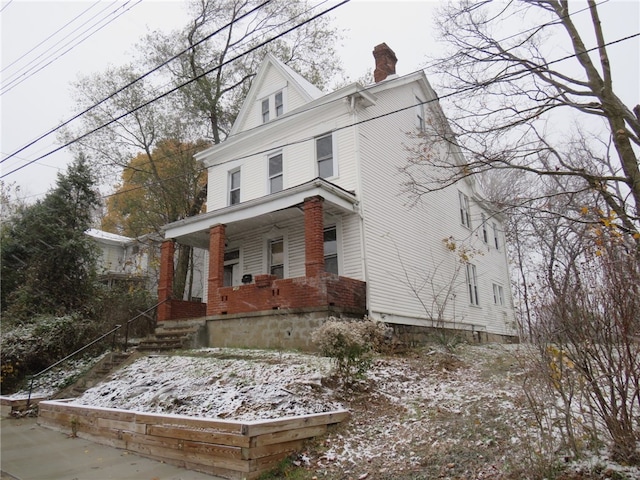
x: 169, y: 92
x: 29, y: 73
x: 66, y: 122
x: 50, y: 36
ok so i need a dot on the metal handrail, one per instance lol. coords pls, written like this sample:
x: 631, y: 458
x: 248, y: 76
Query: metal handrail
x: 112, y: 331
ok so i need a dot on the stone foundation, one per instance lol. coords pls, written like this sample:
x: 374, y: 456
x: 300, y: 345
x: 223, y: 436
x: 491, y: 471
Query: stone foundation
x: 281, y: 329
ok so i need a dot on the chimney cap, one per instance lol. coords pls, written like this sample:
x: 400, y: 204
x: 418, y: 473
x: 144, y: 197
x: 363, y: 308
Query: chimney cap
x: 385, y: 62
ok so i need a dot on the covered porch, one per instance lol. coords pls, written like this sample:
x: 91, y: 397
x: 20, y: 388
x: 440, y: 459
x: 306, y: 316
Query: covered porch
x: 261, y: 286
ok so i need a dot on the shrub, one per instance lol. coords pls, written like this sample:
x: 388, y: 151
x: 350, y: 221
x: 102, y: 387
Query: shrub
x: 350, y: 344
x: 32, y: 347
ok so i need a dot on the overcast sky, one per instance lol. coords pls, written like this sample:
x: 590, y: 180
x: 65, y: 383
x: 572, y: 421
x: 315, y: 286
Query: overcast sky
x: 32, y: 107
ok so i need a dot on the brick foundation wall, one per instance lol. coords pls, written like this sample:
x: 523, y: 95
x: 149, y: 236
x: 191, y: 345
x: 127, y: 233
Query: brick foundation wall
x: 269, y: 293
x: 184, y: 309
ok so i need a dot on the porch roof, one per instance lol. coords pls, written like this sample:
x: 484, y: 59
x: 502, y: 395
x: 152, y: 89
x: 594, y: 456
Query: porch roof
x: 261, y: 211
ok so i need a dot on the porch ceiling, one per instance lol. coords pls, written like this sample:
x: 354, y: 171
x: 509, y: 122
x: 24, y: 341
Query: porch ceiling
x: 269, y: 210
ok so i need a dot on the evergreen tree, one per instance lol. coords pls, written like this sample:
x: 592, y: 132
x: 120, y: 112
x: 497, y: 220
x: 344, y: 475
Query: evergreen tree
x: 48, y: 263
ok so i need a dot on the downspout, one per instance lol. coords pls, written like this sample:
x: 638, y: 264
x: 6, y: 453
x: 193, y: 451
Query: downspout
x: 361, y: 203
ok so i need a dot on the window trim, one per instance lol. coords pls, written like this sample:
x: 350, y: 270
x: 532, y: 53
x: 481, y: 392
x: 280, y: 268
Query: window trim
x: 267, y: 238
x: 496, y: 238
x: 498, y: 295
x: 472, y: 284
x: 337, y: 254
x: 485, y: 233
x: 233, y: 261
x: 465, y: 209
x: 270, y: 177
x: 334, y: 163
x: 276, y: 105
x: 231, y: 190
x: 270, y: 265
x: 420, y: 115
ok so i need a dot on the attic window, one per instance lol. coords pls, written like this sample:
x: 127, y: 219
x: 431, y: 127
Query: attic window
x: 273, y: 103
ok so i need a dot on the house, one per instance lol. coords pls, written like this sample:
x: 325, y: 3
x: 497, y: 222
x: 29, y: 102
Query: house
x: 127, y: 261
x: 308, y: 216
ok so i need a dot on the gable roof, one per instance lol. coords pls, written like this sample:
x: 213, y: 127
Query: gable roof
x: 294, y: 80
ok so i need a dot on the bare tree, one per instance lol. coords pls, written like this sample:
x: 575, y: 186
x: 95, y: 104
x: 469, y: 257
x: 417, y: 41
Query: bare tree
x: 507, y: 94
x: 212, y: 99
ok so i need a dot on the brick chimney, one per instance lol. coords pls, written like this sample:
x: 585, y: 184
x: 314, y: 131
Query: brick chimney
x: 385, y: 62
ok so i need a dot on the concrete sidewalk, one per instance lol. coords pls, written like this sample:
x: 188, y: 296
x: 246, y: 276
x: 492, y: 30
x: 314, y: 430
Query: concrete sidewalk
x: 32, y: 452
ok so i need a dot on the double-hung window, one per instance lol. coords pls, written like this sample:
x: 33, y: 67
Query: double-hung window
x: 465, y: 213
x: 276, y: 257
x: 273, y: 103
x: 234, y: 187
x: 331, y: 250
x: 275, y: 173
x: 324, y: 156
x: 498, y: 295
x: 279, y: 104
x: 231, y: 267
x: 420, y: 123
x: 496, y: 236
x: 485, y: 234
x: 472, y: 284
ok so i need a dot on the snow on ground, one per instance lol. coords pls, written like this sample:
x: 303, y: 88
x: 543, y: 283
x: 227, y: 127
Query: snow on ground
x: 427, y: 414
x: 235, y: 384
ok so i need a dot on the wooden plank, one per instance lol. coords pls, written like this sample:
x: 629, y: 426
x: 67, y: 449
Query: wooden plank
x: 183, y: 420
x: 199, y: 435
x: 194, y: 458
x: 264, y: 464
x: 219, y: 471
x: 97, y: 412
x: 288, y: 435
x: 268, y: 450
x: 185, y: 446
x: 121, y: 425
x: 262, y: 427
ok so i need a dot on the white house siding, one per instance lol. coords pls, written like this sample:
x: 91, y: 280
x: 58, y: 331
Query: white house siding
x: 296, y: 141
x: 111, y: 258
x: 404, y: 243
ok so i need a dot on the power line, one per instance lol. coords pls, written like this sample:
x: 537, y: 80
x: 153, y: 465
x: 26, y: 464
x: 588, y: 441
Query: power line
x: 66, y: 122
x: 169, y: 92
x: 16, y: 82
x: 53, y: 130
x: 6, y: 5
x: 50, y: 36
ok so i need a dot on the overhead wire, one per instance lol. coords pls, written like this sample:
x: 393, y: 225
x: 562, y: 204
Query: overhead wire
x: 134, y: 81
x: 23, y: 77
x: 47, y: 38
x: 53, y: 130
x: 176, y: 88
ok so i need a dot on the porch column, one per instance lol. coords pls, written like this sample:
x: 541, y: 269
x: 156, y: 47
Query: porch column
x: 313, y: 236
x: 216, y: 266
x: 165, y: 282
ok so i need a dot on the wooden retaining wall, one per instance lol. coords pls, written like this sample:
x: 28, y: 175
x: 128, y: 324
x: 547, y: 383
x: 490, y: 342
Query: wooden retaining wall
x: 231, y: 449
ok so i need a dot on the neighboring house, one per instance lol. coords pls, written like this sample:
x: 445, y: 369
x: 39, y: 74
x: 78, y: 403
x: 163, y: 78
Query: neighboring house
x: 127, y: 261
x: 307, y: 210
